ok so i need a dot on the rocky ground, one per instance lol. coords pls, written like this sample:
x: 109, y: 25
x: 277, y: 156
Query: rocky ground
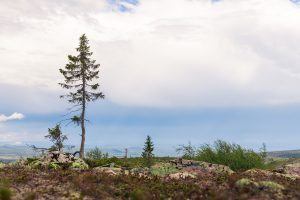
x: 56, y: 176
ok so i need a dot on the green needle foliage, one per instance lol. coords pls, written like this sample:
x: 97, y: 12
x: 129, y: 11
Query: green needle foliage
x: 57, y: 138
x: 80, y: 76
x: 148, y: 152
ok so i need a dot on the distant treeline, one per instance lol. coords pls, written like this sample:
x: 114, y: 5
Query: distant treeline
x: 285, y: 154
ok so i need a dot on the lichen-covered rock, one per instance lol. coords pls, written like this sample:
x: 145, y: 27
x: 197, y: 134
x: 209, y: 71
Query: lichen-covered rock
x: 214, y: 168
x: 254, y: 172
x: 261, y: 186
x: 271, y: 185
x: 292, y: 169
x: 163, y: 169
x: 109, y: 170
x: 181, y: 175
x: 245, y: 182
x: 142, y: 172
x: 269, y: 174
x: 57, y: 160
x: 181, y: 163
x: 2, y: 165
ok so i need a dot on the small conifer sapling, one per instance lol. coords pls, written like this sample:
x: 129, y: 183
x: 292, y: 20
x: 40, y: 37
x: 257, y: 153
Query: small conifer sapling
x: 148, y: 152
x: 57, y: 138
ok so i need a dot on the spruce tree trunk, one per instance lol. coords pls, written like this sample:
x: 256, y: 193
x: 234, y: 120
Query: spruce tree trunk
x: 81, y: 154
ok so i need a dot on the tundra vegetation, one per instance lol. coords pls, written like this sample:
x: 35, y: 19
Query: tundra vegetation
x: 207, y: 174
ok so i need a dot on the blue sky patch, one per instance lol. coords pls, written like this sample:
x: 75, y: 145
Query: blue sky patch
x: 123, y: 5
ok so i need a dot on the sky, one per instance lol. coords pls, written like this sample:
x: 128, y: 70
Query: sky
x: 177, y: 70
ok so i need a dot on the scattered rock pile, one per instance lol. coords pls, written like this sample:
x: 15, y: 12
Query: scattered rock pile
x: 262, y: 185
x: 182, y: 175
x: 209, y: 167
x: 141, y: 172
x: 109, y: 170
x: 290, y: 169
x: 57, y: 160
x: 181, y: 163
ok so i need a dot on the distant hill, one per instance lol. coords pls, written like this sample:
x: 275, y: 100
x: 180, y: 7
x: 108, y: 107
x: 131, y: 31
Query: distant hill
x: 285, y: 154
x: 10, y: 153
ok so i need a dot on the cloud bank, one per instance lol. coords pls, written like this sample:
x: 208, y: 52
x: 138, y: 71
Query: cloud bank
x: 14, y: 116
x: 163, y: 53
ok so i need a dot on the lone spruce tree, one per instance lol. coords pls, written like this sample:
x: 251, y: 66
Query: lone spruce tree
x: 80, y: 75
x: 57, y: 138
x: 148, y: 152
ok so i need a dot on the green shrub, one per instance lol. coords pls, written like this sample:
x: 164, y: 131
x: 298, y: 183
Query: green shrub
x: 271, y: 185
x: 5, y: 194
x: 120, y: 162
x: 36, y: 164
x: 79, y: 165
x: 53, y: 165
x: 232, y: 155
x: 163, y: 169
x: 187, y: 151
x: 31, y: 160
x: 124, y: 162
x: 95, y: 154
x: 147, y: 153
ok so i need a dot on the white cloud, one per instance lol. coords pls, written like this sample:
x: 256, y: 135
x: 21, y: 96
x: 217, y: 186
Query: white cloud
x: 17, y: 138
x: 14, y: 116
x: 163, y: 53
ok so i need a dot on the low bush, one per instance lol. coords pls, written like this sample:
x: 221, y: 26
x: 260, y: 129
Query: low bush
x: 232, y: 155
x: 31, y: 160
x: 123, y: 162
x: 163, y: 169
x: 120, y: 162
x: 5, y: 194
x: 187, y: 151
x: 96, y: 153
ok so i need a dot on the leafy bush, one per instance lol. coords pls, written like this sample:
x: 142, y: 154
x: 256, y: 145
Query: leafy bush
x: 232, y: 155
x: 187, y: 151
x: 96, y: 153
x: 53, y: 165
x: 163, y: 169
